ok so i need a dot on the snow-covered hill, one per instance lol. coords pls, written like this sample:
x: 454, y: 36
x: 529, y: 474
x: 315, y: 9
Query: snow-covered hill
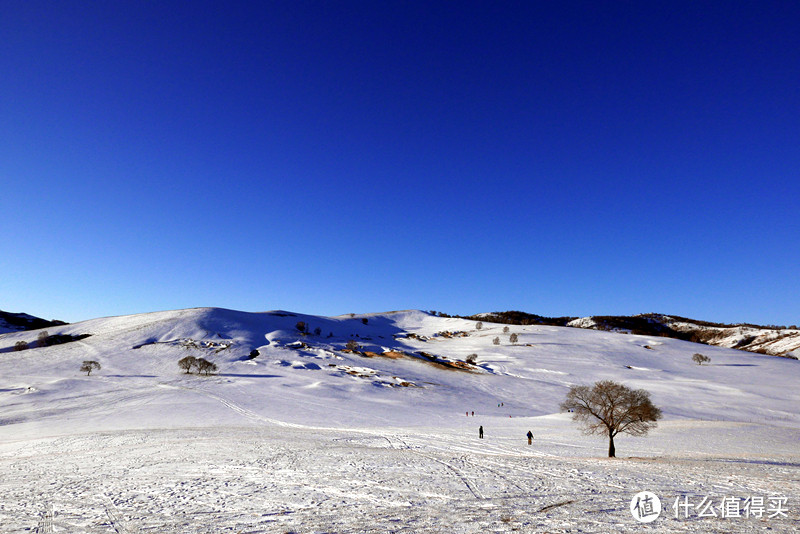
x: 287, y: 403
x: 412, y: 363
x: 15, y: 322
x: 772, y: 340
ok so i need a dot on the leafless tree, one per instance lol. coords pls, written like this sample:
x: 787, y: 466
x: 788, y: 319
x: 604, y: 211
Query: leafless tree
x: 611, y: 408
x: 21, y: 345
x: 205, y: 366
x: 88, y: 366
x: 700, y: 359
x: 42, y: 340
x: 478, y: 325
x: 496, y: 341
x: 187, y: 363
x: 472, y: 358
x: 513, y: 338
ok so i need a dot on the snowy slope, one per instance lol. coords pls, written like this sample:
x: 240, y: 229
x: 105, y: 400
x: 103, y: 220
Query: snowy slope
x: 530, y: 377
x: 777, y: 341
x: 352, y: 421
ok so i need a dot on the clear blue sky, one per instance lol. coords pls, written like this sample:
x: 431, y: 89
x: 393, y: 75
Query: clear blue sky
x: 561, y: 158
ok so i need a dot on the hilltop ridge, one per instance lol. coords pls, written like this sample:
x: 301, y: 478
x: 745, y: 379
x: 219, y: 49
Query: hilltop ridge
x: 772, y: 340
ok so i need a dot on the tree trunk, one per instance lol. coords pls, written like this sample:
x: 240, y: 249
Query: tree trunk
x: 611, y: 450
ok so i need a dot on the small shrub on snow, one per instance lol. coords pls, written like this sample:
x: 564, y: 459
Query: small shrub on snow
x: 88, y: 366
x: 700, y: 359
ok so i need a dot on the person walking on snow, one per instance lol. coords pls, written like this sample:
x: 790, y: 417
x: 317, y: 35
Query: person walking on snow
x: 530, y: 437
x: 480, y: 432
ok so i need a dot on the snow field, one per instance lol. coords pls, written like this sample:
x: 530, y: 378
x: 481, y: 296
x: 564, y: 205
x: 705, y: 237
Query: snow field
x: 278, y: 479
x: 314, y: 439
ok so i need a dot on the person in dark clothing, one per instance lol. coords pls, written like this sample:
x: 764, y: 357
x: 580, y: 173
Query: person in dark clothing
x: 480, y: 432
x: 530, y: 437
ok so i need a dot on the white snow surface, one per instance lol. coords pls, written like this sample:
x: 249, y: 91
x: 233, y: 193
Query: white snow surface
x: 307, y: 437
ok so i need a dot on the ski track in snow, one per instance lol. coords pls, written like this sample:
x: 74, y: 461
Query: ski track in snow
x: 299, y: 480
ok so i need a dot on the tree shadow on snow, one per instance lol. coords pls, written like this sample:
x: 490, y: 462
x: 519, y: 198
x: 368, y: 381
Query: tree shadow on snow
x: 242, y: 375
x: 130, y: 376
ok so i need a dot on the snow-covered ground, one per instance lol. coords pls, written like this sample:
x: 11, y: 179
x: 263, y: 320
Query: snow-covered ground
x: 306, y: 437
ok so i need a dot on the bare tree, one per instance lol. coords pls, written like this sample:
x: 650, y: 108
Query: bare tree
x: 21, y: 345
x: 496, y: 341
x: 700, y: 359
x: 611, y: 408
x: 205, y: 366
x: 301, y: 326
x: 88, y: 366
x: 505, y: 330
x: 352, y: 345
x: 513, y: 338
x: 187, y: 363
x: 478, y: 325
x: 472, y: 358
x: 43, y: 339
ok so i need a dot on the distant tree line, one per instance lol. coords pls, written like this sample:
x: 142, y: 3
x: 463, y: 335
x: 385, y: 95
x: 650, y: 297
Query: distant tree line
x: 27, y: 322
x: 517, y: 318
x: 46, y: 340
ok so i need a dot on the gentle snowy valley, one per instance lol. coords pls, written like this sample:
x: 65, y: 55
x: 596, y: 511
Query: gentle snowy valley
x: 306, y: 436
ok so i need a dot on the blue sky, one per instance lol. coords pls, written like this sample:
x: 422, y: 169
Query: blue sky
x: 561, y: 158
